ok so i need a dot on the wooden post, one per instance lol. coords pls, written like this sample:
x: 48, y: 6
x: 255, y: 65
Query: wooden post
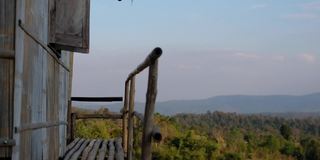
x: 149, y: 109
x: 73, y: 125
x: 125, y: 118
x: 130, y: 119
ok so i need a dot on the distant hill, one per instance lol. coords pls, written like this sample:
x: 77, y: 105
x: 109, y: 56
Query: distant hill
x: 234, y: 103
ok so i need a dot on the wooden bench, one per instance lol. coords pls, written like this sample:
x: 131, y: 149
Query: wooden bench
x: 98, y: 149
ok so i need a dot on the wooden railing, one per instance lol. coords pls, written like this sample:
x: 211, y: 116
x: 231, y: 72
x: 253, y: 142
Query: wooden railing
x: 150, y: 131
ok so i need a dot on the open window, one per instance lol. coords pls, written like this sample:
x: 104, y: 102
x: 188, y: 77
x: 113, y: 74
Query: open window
x: 69, y: 25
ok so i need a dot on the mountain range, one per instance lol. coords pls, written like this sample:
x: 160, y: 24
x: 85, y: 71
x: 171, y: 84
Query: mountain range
x: 245, y: 104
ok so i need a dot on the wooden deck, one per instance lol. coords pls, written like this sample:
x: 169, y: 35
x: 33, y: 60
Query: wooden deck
x: 98, y: 149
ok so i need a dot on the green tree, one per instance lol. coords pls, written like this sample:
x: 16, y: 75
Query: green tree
x: 286, y: 131
x: 312, y: 151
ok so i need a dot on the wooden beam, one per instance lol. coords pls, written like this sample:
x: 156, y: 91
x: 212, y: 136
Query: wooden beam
x: 4, y: 142
x: 151, y: 58
x: 125, y: 117
x: 149, y: 109
x: 96, y: 99
x: 130, y: 119
x: 40, y: 125
x: 99, y: 116
x: 7, y: 54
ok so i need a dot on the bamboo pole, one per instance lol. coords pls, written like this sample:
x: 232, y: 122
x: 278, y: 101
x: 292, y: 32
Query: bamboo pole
x: 130, y: 119
x: 99, y: 116
x: 149, y: 109
x: 125, y: 118
x: 150, y: 59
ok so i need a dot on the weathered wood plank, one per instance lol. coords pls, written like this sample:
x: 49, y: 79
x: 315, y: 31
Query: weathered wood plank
x: 6, y: 54
x: 119, y: 149
x: 130, y: 119
x: 7, y: 47
x: 102, y: 151
x: 74, y: 149
x: 50, y: 51
x: 5, y: 142
x: 149, y: 109
x: 76, y: 155
x: 73, y: 36
x: 111, y: 151
x: 71, y: 145
x: 6, y: 102
x: 94, y: 151
x: 87, y: 150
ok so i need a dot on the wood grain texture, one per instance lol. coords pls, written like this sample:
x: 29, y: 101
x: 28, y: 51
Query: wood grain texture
x: 7, y: 39
x: 77, y: 154
x: 74, y: 149
x: 6, y: 100
x: 94, y: 151
x: 102, y: 151
x: 41, y: 87
x: 87, y: 150
x: 119, y: 150
x: 74, y: 35
x: 111, y: 149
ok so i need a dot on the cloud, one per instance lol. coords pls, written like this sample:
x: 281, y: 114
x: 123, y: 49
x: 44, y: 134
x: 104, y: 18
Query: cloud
x: 259, y: 6
x: 309, y: 58
x: 302, y: 16
x: 312, y: 5
x: 246, y: 55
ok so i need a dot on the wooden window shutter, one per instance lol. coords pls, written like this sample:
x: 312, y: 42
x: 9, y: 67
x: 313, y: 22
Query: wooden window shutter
x: 69, y: 25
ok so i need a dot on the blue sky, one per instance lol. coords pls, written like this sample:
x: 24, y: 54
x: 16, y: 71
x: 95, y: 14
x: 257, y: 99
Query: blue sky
x: 210, y: 47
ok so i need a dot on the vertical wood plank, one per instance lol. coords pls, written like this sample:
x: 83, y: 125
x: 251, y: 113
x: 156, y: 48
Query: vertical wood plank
x: 6, y: 94
x: 7, y: 39
x: 18, y: 81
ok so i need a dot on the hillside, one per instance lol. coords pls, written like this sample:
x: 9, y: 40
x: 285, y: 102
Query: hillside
x: 233, y: 103
x: 220, y: 136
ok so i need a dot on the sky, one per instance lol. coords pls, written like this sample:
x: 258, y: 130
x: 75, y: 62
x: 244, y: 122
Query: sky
x: 210, y: 47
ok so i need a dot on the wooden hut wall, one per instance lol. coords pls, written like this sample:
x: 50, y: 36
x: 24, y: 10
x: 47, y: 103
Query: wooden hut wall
x: 41, y: 86
x: 7, y: 39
